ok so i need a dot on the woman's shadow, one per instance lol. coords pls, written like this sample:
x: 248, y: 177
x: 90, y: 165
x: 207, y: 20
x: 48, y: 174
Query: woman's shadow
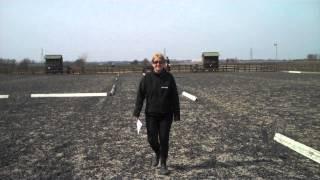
x: 213, y: 163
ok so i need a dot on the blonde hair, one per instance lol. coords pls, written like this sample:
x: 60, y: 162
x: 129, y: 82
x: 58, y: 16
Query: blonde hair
x: 158, y: 56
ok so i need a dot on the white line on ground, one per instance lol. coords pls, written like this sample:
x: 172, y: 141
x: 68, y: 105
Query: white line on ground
x: 298, y: 147
x: 69, y: 95
x: 4, y: 96
x: 188, y: 95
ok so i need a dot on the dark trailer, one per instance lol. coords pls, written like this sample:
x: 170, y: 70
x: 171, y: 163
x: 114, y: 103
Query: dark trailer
x: 210, y: 61
x: 54, y: 64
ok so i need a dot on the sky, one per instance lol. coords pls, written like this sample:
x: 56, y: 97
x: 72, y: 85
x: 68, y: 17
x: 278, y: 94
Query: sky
x: 114, y: 30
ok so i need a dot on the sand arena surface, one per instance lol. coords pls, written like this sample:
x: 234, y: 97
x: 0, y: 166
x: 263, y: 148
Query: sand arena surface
x: 227, y: 133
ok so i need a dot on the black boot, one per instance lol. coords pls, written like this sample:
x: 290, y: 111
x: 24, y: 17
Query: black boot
x: 156, y: 159
x: 163, y: 169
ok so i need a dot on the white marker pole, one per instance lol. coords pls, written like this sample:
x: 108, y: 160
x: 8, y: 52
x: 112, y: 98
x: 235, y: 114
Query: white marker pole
x: 298, y: 147
x: 69, y: 95
x: 188, y: 95
x: 113, y: 90
x: 295, y: 72
x: 4, y: 96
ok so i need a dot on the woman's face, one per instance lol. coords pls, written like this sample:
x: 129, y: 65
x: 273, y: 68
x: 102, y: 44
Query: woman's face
x: 158, y: 65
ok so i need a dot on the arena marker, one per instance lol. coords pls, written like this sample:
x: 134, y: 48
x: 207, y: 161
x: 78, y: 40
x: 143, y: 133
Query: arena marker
x: 188, y: 95
x: 69, y: 95
x: 4, y: 96
x: 113, y: 89
x: 295, y: 72
x: 298, y: 147
x: 301, y: 72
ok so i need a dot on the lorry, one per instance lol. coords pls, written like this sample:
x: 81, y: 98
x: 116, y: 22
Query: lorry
x: 54, y: 64
x: 210, y: 62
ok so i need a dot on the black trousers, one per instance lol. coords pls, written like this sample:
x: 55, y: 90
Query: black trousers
x: 158, y: 130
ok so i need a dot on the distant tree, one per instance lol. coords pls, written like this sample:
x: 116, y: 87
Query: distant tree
x: 11, y: 65
x: 67, y: 63
x: 82, y: 59
x: 79, y: 64
x: 7, y: 65
x: 312, y: 57
x: 135, y: 62
x: 146, y: 62
x: 24, y: 65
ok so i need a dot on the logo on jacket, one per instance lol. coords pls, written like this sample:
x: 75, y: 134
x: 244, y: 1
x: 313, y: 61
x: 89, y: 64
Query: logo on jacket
x: 164, y: 87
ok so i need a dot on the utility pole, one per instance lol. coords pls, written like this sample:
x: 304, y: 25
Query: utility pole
x: 41, y: 56
x: 164, y: 53
x: 251, y: 54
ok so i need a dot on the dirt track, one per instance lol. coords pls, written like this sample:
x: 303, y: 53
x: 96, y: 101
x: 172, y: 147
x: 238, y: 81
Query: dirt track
x: 226, y: 134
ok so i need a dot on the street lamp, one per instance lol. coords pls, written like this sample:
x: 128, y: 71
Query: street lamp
x: 276, y: 45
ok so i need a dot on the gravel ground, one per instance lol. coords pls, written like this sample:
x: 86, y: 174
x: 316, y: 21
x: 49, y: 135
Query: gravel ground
x: 226, y: 134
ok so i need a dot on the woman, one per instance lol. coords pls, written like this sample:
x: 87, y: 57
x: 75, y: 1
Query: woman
x: 162, y: 107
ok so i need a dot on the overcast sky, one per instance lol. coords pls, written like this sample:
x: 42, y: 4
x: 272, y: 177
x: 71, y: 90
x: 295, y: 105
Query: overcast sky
x: 106, y: 30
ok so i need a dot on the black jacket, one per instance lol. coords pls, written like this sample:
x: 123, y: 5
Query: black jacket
x: 161, y: 94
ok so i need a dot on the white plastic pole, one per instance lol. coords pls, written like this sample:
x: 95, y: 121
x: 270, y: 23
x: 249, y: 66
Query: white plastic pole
x: 295, y: 72
x: 188, y: 95
x: 69, y: 95
x: 113, y: 89
x: 298, y: 147
x: 4, y: 96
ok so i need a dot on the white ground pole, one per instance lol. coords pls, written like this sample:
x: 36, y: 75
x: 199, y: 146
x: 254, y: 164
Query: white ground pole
x: 294, y: 72
x: 190, y: 96
x: 4, y: 96
x: 301, y: 72
x: 113, y: 89
x: 298, y: 147
x: 69, y: 95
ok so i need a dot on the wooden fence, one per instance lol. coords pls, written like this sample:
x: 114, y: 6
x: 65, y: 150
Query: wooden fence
x: 311, y: 66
